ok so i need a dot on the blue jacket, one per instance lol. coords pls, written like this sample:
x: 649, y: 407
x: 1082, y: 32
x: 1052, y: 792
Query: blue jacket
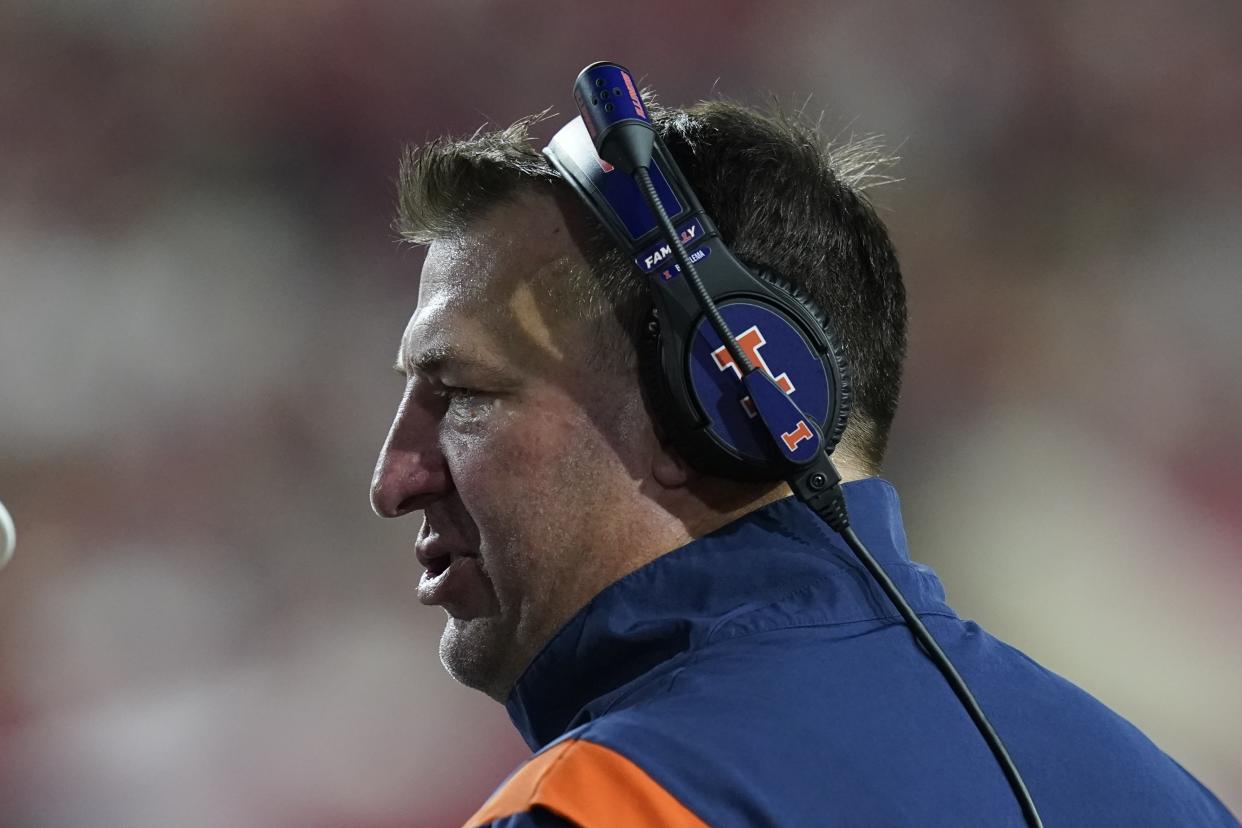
x: 757, y: 677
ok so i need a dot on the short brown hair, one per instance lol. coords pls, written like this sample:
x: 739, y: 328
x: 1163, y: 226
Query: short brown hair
x: 784, y: 199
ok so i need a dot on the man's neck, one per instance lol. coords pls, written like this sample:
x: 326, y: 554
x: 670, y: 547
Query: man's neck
x: 722, y: 502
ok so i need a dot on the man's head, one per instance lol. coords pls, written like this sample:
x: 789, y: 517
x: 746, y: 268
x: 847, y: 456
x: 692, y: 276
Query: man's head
x: 522, y: 434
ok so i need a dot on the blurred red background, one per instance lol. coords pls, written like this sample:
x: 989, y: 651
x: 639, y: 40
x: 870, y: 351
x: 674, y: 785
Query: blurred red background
x: 200, y: 298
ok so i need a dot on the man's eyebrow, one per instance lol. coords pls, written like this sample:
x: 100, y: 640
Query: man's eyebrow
x: 437, y: 358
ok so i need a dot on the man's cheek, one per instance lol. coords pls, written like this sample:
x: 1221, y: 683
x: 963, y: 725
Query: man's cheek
x: 480, y: 466
x: 537, y: 447
x: 504, y: 484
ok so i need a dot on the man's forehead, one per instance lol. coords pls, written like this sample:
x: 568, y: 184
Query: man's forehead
x: 501, y: 285
x: 440, y: 335
x: 522, y: 240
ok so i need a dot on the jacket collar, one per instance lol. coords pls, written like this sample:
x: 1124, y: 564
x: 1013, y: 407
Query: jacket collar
x: 743, y: 575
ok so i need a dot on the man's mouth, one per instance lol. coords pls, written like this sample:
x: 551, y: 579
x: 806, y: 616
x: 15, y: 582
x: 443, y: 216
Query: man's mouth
x: 452, y: 572
x: 436, y: 554
x: 437, y: 566
x: 451, y: 581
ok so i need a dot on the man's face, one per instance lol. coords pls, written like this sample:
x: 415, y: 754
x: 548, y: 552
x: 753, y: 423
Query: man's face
x: 522, y: 455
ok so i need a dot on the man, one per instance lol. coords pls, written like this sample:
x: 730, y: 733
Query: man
x: 681, y: 649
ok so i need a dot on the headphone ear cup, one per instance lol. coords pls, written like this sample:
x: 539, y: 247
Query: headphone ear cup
x: 836, y: 354
x: 674, y: 429
x: 694, y: 449
x: 655, y: 391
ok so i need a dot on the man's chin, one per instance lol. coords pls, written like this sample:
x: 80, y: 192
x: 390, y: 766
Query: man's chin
x: 479, y: 653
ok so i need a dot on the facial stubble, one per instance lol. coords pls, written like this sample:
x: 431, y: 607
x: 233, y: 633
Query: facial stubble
x: 538, y: 571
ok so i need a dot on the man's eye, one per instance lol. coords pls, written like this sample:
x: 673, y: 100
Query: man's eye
x: 466, y: 403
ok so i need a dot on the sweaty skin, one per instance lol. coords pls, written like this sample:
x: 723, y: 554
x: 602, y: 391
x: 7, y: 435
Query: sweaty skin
x: 539, y: 472
x: 529, y: 317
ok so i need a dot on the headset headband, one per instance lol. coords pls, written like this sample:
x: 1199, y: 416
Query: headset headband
x: 701, y: 379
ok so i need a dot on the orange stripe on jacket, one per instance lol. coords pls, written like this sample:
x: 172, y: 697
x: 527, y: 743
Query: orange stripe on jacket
x: 590, y: 785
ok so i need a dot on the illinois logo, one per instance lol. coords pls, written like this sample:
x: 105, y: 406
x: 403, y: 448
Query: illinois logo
x: 751, y: 341
x: 792, y: 438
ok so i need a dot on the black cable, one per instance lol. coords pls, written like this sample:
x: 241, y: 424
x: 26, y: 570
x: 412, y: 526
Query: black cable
x: 938, y: 657
x: 692, y: 274
x: 831, y: 508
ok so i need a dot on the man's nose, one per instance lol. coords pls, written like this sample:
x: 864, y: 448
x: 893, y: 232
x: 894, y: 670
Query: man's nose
x: 410, y: 472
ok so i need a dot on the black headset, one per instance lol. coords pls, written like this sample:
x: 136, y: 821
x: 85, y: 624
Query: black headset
x: 740, y: 367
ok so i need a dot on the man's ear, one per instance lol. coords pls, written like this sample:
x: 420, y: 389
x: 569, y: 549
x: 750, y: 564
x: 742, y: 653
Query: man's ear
x: 667, y: 467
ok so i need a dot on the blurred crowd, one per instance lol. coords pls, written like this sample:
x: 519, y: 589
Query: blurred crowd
x: 201, y: 296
